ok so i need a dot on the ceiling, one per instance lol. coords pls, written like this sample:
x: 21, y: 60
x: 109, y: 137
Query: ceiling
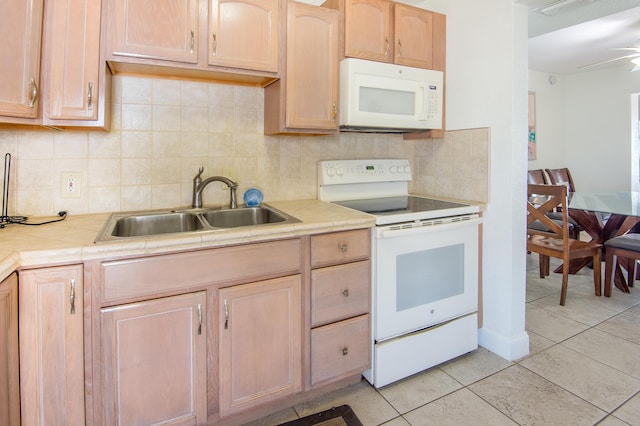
x: 573, y: 34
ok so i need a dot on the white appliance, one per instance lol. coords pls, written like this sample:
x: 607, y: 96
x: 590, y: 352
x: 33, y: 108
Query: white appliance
x: 381, y: 97
x: 425, y: 256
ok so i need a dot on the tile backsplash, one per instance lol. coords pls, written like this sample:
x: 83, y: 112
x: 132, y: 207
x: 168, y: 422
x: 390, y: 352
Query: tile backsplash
x: 164, y: 130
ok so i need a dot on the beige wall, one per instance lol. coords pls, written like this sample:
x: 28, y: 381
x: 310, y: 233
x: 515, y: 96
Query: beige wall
x: 164, y: 130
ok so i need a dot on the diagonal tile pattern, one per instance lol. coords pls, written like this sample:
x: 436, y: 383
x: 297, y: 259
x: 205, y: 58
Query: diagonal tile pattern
x: 583, y: 369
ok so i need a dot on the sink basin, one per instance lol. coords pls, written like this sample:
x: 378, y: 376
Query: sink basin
x: 153, y: 224
x: 160, y: 222
x: 247, y: 216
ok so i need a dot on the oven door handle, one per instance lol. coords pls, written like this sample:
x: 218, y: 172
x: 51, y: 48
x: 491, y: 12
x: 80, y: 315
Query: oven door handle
x: 393, y: 231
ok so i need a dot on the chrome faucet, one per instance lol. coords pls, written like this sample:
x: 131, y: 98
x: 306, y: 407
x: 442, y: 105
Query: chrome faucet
x: 199, y: 184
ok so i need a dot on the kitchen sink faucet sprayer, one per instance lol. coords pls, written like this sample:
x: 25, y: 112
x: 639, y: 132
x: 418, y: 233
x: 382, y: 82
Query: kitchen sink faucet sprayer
x: 199, y: 184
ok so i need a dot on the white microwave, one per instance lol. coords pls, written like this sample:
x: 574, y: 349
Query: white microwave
x: 381, y: 97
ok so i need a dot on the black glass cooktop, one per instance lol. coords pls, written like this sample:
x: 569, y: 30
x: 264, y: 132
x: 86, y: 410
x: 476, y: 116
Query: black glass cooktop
x: 398, y: 205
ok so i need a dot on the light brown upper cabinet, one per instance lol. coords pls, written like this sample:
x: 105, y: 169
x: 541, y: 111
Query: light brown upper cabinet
x: 244, y: 34
x: 60, y: 83
x: 76, y: 83
x: 413, y: 36
x: 367, y: 32
x: 20, y: 32
x: 150, y: 29
x: 385, y: 31
x: 225, y: 40
x: 305, y: 99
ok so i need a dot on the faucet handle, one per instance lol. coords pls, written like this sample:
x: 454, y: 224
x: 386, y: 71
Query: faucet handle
x: 199, y: 173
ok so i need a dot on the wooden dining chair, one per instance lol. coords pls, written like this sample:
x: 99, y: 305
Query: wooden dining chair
x: 561, y: 176
x: 537, y: 177
x: 625, y: 246
x: 555, y: 241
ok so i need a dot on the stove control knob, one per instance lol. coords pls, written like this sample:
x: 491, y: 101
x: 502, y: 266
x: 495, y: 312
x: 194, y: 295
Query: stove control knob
x: 339, y: 171
x: 329, y: 171
x: 406, y: 169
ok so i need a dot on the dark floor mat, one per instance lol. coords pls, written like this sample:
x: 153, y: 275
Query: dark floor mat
x: 337, y: 416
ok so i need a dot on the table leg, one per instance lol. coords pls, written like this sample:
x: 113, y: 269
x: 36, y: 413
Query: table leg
x: 599, y: 231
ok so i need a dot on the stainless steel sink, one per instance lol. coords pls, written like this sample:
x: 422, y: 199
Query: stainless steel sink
x: 248, y: 216
x: 175, y: 221
x: 153, y: 224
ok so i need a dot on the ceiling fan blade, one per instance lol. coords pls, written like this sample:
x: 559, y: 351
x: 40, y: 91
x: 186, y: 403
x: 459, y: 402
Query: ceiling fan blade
x: 633, y: 55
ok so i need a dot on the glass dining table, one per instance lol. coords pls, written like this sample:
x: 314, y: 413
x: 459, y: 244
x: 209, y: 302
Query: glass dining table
x: 604, y: 215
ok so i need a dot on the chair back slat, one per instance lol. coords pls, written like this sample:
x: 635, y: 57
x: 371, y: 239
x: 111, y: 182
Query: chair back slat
x: 536, y: 177
x: 561, y: 176
x: 542, y: 199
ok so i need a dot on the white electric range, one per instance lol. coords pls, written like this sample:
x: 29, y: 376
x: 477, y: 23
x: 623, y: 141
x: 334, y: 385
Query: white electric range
x: 425, y: 263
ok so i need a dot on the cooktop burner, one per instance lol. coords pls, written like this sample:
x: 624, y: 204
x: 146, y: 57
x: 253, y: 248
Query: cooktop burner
x: 398, y: 205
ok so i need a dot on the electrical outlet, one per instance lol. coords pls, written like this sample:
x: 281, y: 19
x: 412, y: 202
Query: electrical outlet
x: 70, y: 185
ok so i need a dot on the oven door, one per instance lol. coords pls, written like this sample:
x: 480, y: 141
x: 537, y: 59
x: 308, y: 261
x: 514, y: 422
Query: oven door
x: 424, y: 276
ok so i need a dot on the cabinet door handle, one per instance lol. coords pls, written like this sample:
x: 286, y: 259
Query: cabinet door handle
x: 199, y: 318
x: 226, y: 314
x: 335, y: 112
x: 386, y: 46
x: 214, y: 46
x: 72, y: 296
x: 399, y: 48
x: 344, y: 247
x: 345, y: 292
x: 34, y: 93
x: 345, y: 351
x: 193, y: 42
x: 90, y: 96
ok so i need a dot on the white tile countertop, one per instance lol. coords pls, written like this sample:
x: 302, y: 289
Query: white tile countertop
x: 72, y: 240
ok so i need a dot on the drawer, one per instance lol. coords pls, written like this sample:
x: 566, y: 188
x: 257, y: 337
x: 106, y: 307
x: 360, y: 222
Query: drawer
x: 340, y: 292
x: 134, y: 278
x: 340, y: 349
x: 340, y: 247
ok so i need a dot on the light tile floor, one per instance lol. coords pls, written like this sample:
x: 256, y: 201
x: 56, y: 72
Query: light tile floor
x: 583, y: 369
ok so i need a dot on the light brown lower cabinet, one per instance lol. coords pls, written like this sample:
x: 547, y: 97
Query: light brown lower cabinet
x: 9, y: 374
x: 154, y: 361
x: 52, y: 346
x: 260, y: 334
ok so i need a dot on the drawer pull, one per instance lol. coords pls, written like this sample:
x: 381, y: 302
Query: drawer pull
x: 72, y: 296
x: 345, y: 351
x: 199, y: 318
x: 226, y: 314
x: 345, y: 293
x: 344, y: 247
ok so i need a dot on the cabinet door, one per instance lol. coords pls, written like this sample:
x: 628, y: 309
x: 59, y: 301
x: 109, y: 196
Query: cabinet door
x: 20, y: 32
x: 244, y: 34
x: 367, y: 32
x: 156, y: 29
x: 260, y: 335
x: 51, y: 346
x: 413, y: 36
x: 9, y: 384
x: 154, y: 362
x: 72, y: 58
x: 312, y: 67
